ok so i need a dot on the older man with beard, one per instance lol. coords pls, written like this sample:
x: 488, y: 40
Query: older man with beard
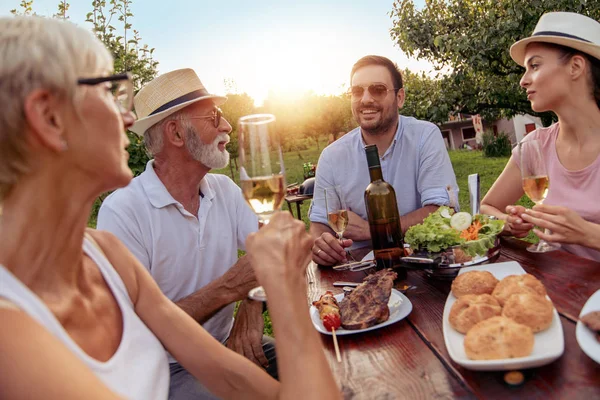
x: 186, y: 225
x: 413, y: 159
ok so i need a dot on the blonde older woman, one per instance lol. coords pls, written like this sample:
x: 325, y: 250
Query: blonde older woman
x: 81, y: 318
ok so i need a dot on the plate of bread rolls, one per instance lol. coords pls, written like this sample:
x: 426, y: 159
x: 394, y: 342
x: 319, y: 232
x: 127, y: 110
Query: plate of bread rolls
x: 588, y: 327
x: 498, y: 317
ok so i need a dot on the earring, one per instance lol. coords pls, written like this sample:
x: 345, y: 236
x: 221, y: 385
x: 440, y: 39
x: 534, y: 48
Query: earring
x: 63, y: 145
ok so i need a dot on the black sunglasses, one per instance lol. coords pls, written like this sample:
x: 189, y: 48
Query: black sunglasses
x: 378, y: 91
x: 122, y: 88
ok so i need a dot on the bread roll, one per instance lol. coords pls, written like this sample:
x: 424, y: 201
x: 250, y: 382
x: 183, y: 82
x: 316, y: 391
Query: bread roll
x: 471, y: 309
x: 529, y: 309
x: 474, y: 282
x: 517, y: 284
x: 498, y: 338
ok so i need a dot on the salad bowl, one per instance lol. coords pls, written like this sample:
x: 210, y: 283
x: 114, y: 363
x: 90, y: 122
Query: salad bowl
x: 446, y: 242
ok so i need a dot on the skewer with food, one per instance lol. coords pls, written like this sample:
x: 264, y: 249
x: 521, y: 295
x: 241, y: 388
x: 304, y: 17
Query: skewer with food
x: 329, y: 312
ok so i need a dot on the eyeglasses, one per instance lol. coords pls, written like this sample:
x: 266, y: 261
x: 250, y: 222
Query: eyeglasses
x: 216, y: 117
x: 378, y: 91
x: 121, y: 88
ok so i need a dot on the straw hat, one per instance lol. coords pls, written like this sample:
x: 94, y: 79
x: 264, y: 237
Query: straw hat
x: 564, y: 28
x: 167, y: 94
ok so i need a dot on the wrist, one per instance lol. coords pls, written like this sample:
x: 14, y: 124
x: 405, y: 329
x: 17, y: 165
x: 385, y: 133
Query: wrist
x: 227, y: 290
x: 590, y: 236
x: 252, y: 305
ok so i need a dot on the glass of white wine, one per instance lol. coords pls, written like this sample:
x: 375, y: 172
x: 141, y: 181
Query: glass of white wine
x: 262, y: 172
x: 535, y: 183
x: 337, y: 213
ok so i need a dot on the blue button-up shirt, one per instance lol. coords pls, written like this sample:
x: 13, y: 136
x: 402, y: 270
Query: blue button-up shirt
x: 416, y: 164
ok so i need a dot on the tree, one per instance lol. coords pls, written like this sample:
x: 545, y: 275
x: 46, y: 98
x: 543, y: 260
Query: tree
x: 237, y: 106
x: 26, y: 8
x: 310, y: 116
x: 63, y: 7
x: 111, y: 23
x: 423, y: 98
x: 471, y: 38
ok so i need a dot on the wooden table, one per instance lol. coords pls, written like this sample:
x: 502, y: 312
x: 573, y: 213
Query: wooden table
x: 298, y: 199
x: 409, y: 359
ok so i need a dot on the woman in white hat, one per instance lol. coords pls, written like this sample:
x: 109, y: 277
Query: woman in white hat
x: 562, y: 62
x: 80, y: 317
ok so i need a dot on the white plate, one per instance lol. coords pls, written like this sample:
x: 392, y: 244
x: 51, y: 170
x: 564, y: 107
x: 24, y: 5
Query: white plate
x: 585, y: 337
x: 548, y: 346
x: 400, y: 306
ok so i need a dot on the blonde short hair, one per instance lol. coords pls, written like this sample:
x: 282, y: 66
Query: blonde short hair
x: 39, y: 53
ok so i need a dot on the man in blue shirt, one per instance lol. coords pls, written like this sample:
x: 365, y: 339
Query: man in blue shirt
x: 413, y: 157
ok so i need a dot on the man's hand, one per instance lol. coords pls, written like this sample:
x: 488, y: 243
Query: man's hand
x: 327, y: 250
x: 514, y: 223
x: 358, y: 228
x: 240, y: 278
x: 246, y: 335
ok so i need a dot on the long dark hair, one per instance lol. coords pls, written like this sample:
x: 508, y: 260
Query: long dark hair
x: 567, y: 53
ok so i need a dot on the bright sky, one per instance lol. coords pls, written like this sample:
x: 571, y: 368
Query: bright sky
x: 287, y: 46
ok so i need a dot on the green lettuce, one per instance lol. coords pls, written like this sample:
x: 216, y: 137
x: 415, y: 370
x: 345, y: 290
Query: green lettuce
x: 435, y: 234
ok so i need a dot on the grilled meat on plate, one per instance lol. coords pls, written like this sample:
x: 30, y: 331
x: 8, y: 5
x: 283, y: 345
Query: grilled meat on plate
x: 367, y: 305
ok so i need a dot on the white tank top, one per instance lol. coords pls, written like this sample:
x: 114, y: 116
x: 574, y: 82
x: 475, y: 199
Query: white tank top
x: 139, y: 368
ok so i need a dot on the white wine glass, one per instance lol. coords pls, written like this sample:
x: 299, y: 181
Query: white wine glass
x: 262, y: 172
x: 337, y: 212
x: 536, y: 182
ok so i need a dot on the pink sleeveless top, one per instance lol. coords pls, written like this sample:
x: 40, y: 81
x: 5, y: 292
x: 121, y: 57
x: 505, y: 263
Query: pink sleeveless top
x: 577, y: 190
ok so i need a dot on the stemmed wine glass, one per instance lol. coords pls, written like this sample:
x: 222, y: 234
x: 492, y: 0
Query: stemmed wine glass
x: 535, y: 183
x: 262, y: 173
x: 337, y: 213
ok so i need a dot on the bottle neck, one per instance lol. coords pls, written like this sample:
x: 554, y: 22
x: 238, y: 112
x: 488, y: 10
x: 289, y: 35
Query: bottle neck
x: 375, y: 173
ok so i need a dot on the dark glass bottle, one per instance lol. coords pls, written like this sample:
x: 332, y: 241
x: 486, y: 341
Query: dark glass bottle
x: 384, y: 220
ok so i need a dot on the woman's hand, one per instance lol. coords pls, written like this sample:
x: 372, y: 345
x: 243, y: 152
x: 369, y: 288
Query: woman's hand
x: 280, y: 250
x: 514, y: 224
x: 566, y: 225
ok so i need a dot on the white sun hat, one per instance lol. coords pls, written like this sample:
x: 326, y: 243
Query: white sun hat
x: 564, y: 28
x: 167, y: 94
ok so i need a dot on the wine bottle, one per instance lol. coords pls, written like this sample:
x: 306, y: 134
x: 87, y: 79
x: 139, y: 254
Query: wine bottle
x: 384, y: 219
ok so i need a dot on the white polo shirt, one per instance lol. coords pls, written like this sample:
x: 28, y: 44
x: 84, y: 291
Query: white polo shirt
x: 183, y: 252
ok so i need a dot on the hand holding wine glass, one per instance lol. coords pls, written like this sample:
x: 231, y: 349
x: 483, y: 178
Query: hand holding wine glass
x: 262, y: 172
x: 535, y: 183
x: 337, y: 213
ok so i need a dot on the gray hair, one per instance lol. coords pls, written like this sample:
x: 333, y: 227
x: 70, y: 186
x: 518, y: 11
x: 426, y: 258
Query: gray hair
x: 154, y: 136
x: 39, y: 53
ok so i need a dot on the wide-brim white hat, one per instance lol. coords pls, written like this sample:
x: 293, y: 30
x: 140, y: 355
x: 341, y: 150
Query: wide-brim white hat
x: 564, y: 28
x: 167, y: 94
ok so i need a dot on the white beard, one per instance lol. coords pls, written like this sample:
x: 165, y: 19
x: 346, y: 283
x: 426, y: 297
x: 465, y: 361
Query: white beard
x: 208, y: 154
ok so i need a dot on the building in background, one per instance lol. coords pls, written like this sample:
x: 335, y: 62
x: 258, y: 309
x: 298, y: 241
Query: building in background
x: 459, y: 130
